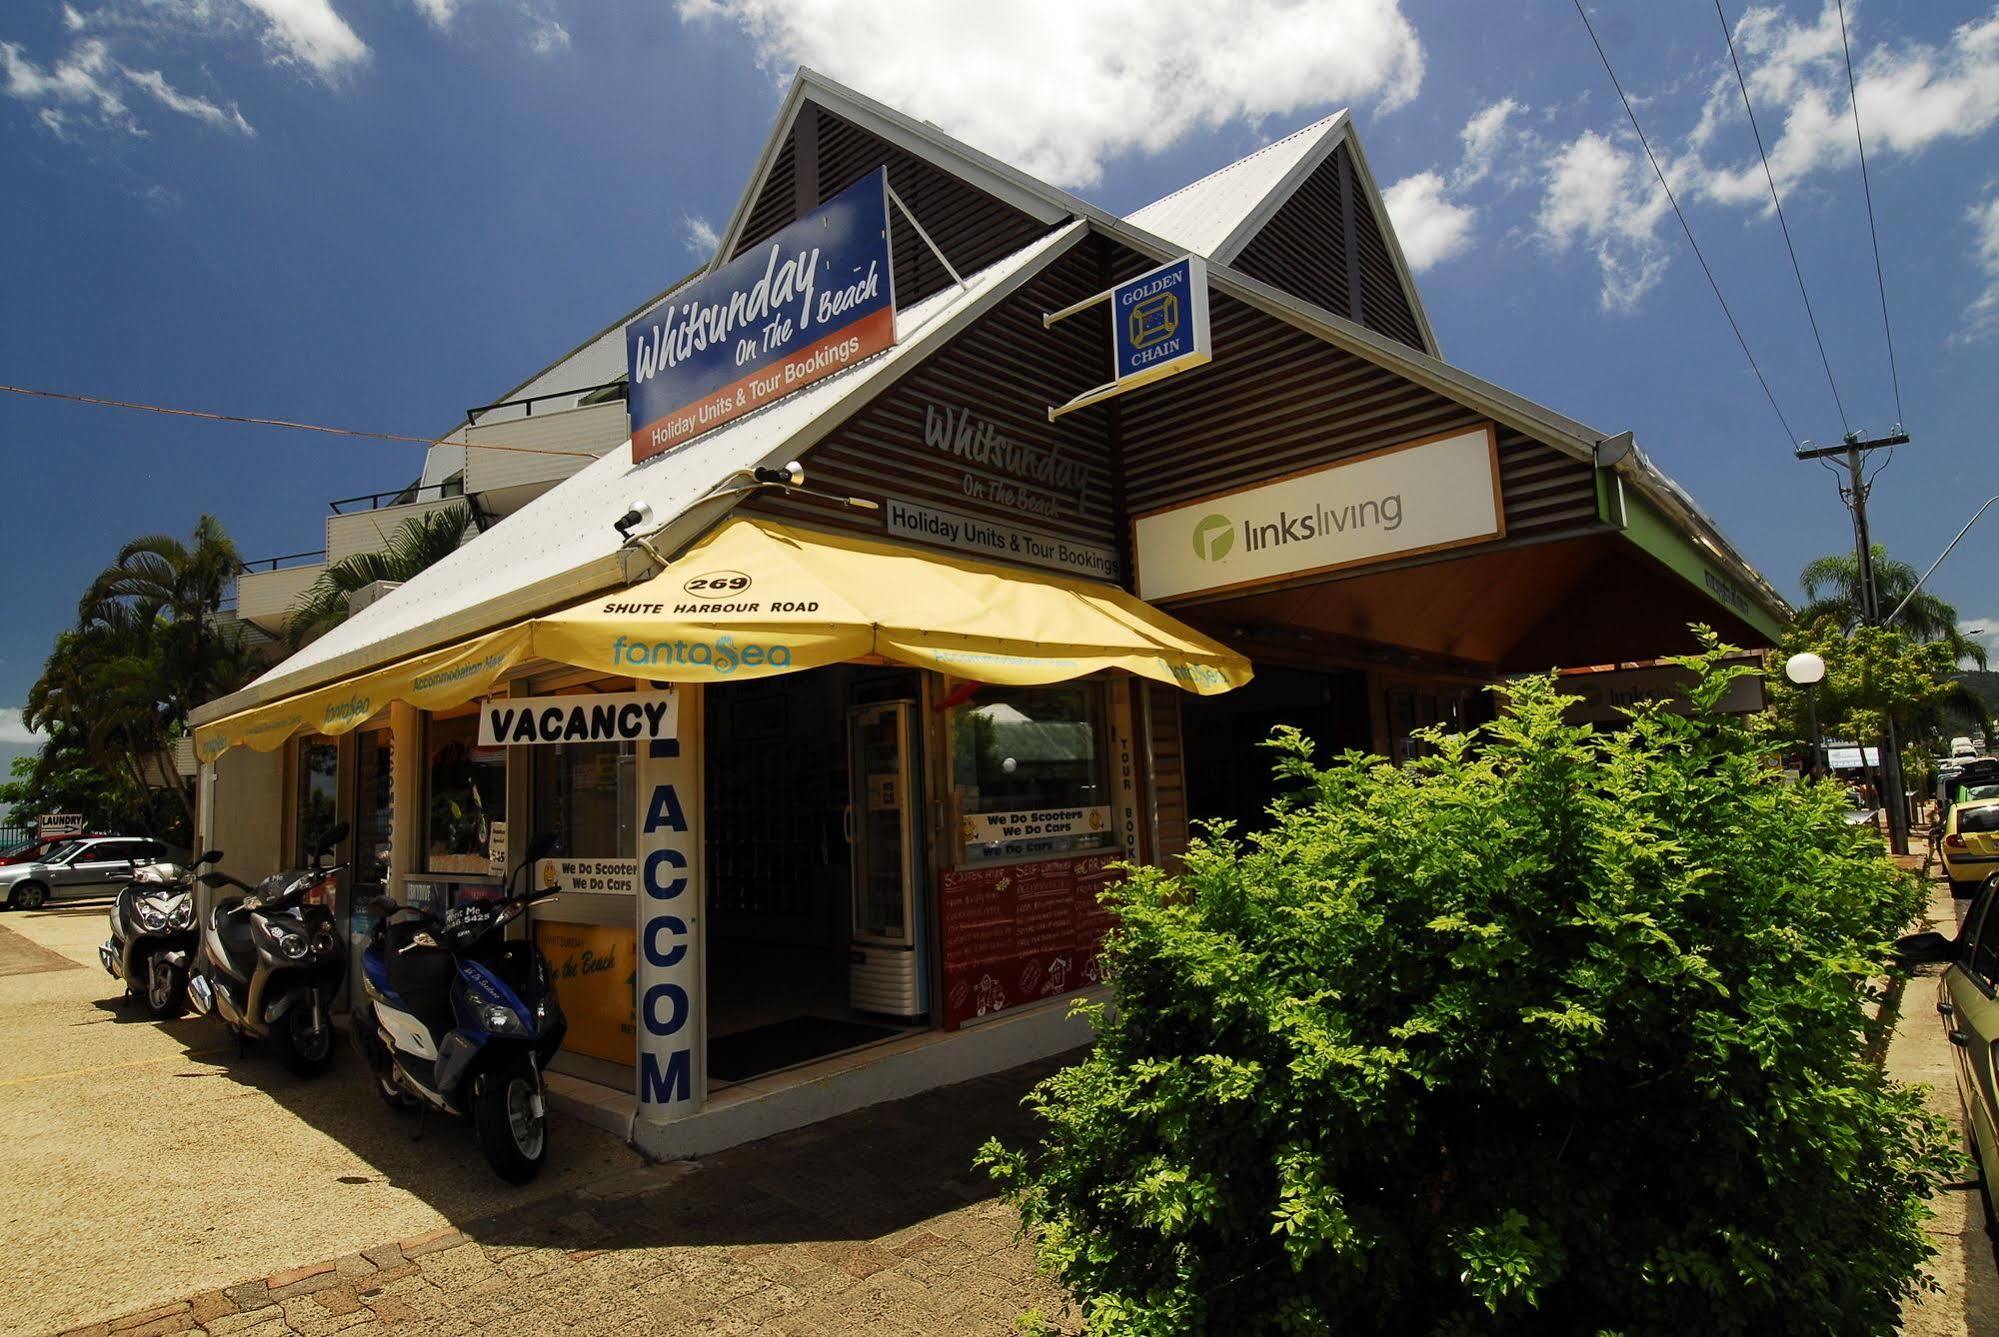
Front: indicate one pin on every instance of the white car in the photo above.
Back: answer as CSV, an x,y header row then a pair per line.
x,y
81,868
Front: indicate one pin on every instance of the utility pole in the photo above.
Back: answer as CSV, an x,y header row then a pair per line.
x,y
1854,494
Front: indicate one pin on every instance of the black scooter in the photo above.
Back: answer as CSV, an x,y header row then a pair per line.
x,y
153,935
270,963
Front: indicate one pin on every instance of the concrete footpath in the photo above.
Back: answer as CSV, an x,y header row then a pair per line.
x,y
1963,1263
875,1222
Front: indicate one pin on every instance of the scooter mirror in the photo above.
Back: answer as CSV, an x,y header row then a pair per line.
x,y
209,856
332,838
542,846
214,881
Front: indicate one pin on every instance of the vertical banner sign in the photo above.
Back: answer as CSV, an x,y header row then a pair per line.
x,y
672,1077
1124,755
812,300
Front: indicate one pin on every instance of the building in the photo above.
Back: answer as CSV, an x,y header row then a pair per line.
x,y
889,725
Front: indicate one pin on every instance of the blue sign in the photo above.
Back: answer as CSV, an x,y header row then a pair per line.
x,y
808,302
1160,322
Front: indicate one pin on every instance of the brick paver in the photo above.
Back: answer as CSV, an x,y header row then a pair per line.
x,y
875,1221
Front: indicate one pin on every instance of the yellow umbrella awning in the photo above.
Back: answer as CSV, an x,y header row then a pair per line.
x,y
757,598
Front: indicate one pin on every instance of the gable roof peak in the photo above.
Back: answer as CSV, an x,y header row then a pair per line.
x,y
1217,214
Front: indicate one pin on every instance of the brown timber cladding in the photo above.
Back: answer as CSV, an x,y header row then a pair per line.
x,y
968,225
1279,401
1007,370
1304,249
1168,773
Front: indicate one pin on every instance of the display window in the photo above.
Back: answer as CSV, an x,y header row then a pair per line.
x,y
586,793
374,806
465,793
317,795
1029,772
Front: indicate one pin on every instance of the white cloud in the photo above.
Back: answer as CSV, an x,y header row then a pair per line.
x,y
1430,225
310,33
80,82
699,236
1058,87
1605,197
1981,316
12,730
439,12
1911,96
1484,139
548,37
187,104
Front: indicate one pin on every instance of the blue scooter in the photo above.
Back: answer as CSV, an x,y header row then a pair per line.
x,y
459,1019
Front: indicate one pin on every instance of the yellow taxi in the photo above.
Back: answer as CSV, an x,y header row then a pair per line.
x,y
1971,844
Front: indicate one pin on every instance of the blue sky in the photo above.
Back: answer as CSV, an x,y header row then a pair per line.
x,y
376,214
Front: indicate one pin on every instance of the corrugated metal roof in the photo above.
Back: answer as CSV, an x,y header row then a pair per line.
x,y
562,546
1207,213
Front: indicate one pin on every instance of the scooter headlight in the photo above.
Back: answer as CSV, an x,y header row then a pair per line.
x,y
501,1020
152,919
292,946
183,915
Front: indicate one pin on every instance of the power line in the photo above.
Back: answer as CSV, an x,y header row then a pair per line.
x,y
1778,204
206,416
1880,283
1790,436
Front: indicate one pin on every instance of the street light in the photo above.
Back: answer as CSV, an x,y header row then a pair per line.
x,y
1807,670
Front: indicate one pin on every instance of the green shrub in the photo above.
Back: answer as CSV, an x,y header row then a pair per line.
x,y
1549,1032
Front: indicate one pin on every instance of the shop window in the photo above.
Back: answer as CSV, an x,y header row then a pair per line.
x,y
1028,772
318,793
465,792
586,794
374,807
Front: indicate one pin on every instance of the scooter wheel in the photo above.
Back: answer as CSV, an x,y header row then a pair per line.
x,y
166,992
305,1054
512,1116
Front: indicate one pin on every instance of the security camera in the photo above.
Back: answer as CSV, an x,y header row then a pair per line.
x,y
638,514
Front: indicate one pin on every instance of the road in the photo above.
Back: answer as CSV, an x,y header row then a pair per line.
x,y
146,1161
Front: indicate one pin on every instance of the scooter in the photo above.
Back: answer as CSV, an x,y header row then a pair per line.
x,y
270,961
153,935
459,1019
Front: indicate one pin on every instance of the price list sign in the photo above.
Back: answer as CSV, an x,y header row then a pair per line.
x,y
1020,933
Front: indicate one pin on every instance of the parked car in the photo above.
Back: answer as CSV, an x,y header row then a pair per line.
x,y
1971,844
1968,1002
93,866
42,847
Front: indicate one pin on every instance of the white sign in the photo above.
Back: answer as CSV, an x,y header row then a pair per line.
x,y
1406,499
591,717
672,1075
59,824
971,534
496,848
1851,758
994,828
602,877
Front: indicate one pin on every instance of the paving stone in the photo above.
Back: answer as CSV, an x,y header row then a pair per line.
x,y
145,1316
277,1281
210,1304
354,1265
269,1318
176,1322
384,1255
250,1295
431,1241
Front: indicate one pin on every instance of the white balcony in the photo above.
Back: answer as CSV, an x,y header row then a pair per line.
x,y
264,599
506,479
369,531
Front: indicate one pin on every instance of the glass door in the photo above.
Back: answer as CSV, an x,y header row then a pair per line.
x,y
882,824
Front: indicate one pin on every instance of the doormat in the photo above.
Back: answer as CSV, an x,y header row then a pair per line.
x,y
781,1044
23,956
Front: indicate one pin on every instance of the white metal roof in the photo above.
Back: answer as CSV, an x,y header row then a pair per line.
x,y
561,547
1207,213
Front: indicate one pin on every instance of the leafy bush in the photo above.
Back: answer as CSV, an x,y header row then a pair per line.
x,y
1547,1032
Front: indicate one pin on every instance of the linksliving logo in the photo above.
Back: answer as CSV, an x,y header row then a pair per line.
x,y
1214,536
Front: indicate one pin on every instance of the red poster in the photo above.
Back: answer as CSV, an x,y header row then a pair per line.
x,y
1020,933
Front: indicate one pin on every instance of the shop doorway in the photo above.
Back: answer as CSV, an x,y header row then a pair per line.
x,y
1229,770
815,868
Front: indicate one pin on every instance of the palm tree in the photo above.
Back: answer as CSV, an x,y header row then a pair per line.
x,y
419,542
1832,584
